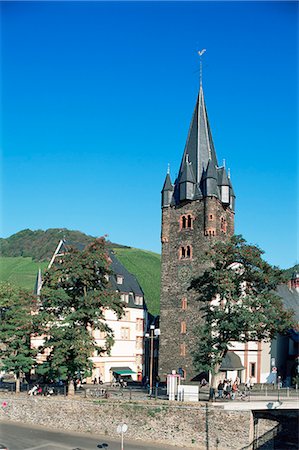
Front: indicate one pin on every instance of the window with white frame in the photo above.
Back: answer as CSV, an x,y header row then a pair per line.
x,y
139,324
124,298
125,333
139,341
139,360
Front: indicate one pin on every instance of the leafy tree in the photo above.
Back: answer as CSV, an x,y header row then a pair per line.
x,y
17,324
239,303
74,298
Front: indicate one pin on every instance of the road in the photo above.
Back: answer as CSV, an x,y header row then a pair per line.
x,y
27,437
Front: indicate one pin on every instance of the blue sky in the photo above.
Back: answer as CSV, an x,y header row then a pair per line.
x,y
97,99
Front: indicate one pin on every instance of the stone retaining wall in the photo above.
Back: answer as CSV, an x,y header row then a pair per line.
x,y
200,426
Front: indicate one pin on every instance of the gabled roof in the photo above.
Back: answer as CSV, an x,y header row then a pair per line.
x,y
199,145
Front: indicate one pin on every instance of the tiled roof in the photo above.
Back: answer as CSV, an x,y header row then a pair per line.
x,y
290,298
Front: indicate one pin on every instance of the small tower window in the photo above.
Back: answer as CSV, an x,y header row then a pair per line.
x,y
189,222
188,251
210,232
183,328
183,252
211,216
184,222
184,304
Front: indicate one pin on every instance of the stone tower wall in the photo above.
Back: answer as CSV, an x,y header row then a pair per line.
x,y
178,322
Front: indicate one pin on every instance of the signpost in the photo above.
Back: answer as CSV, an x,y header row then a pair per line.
x,y
121,429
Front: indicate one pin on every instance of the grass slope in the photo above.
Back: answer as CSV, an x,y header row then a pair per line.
x,y
146,266
20,271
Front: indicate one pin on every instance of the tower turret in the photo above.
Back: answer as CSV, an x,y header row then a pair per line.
x,y
187,181
210,181
224,186
167,191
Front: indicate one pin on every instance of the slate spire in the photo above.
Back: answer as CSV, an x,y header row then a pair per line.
x,y
199,146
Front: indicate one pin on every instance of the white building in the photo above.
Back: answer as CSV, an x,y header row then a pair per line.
x,y
126,357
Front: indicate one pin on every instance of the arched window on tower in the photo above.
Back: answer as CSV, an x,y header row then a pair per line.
x,y
185,252
186,222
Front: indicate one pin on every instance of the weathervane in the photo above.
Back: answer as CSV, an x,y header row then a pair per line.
x,y
201,52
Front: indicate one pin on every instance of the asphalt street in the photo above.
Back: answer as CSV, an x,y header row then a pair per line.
x,y
24,437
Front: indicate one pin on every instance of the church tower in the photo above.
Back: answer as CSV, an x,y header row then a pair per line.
x,y
197,209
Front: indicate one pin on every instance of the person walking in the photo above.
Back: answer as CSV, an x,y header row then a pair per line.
x,y
220,389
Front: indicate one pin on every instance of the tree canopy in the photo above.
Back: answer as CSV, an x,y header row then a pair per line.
x,y
74,297
239,302
17,324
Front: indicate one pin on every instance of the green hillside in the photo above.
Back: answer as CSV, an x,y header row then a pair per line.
x,y
39,244
146,266
20,271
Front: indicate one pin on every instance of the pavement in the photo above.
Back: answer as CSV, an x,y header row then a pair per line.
x,y
28,437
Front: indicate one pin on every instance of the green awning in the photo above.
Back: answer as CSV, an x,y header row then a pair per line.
x,y
122,370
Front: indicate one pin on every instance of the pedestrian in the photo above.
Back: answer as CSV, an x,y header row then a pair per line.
x,y
95,380
204,382
220,389
157,381
247,384
234,390
228,390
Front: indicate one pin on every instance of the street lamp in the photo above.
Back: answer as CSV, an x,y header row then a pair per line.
x,y
154,333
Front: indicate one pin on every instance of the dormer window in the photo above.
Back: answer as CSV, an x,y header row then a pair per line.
x,y
119,279
138,300
124,298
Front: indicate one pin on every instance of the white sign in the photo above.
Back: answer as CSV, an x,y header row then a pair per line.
x,y
122,428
